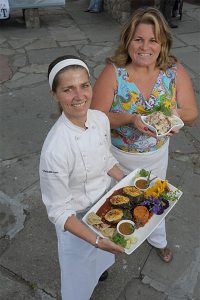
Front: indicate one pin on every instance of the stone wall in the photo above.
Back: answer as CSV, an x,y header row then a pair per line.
x,y
121,10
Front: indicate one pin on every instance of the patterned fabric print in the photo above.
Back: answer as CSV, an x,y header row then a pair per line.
x,y
128,98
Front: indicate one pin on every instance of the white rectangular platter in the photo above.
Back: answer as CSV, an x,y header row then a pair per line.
x,y
141,233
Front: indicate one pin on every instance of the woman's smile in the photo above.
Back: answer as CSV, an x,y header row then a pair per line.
x,y
144,49
79,104
145,54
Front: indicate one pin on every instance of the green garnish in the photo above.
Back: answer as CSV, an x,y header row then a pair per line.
x,y
165,110
119,240
164,106
144,173
170,196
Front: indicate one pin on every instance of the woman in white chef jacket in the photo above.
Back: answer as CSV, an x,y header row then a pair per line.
x,y
76,167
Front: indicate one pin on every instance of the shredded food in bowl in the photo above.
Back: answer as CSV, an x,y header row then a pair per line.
x,y
161,122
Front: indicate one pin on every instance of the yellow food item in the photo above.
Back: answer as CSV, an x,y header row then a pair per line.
x,y
130,241
119,200
132,191
114,215
156,190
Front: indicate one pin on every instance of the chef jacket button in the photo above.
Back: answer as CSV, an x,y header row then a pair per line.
x,y
100,143
77,138
87,170
104,158
93,126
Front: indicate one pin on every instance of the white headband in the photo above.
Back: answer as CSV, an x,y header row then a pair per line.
x,y
65,63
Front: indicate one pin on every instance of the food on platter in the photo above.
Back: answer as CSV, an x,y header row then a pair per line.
x,y
162,124
140,215
123,241
119,201
131,241
114,215
126,227
130,203
144,180
141,183
93,219
135,195
144,173
132,192
159,187
125,203
106,230
119,239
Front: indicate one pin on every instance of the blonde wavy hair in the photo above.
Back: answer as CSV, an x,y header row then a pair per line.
x,y
163,35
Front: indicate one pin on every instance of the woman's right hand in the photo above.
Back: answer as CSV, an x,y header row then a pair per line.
x,y
107,245
137,122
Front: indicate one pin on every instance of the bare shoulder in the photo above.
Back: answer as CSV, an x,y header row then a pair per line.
x,y
181,71
184,87
183,77
103,91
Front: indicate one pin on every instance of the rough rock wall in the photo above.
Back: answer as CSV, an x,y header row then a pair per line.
x,y
122,9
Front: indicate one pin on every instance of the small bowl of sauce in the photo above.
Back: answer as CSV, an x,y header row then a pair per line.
x,y
126,228
141,183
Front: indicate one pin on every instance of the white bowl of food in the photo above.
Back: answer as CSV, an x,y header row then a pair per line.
x,y
141,183
162,124
126,228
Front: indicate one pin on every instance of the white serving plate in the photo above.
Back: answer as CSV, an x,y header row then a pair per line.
x,y
143,232
179,124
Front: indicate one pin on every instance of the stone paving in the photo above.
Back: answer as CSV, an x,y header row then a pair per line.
x,y
28,254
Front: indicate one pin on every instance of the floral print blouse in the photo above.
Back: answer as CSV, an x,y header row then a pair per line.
x,y
128,98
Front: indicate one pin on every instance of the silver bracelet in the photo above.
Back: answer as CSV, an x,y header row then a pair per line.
x,y
98,238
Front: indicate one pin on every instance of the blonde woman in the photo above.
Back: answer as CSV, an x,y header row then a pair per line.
x,y
140,77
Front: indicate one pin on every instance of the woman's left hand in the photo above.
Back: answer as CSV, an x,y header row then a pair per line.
x,y
173,132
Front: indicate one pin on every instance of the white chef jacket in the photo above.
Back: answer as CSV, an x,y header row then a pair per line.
x,y
73,166
73,175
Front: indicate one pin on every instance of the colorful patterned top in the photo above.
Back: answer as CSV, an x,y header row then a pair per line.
x,y
128,98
